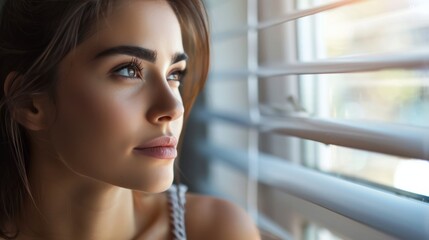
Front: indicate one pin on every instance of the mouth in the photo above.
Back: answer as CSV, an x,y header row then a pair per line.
x,y
163,147
158,152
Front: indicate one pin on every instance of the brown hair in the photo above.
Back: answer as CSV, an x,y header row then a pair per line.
x,y
35,37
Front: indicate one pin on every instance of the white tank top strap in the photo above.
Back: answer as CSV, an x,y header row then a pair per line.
x,y
176,201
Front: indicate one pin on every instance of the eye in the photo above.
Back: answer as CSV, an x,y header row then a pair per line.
x,y
176,76
128,72
132,69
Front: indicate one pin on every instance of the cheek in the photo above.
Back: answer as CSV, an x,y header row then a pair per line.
x,y
93,112
95,125
176,126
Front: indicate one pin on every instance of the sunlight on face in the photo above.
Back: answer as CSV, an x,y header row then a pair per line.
x,y
118,91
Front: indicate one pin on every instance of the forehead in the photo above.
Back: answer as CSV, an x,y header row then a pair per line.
x,y
151,24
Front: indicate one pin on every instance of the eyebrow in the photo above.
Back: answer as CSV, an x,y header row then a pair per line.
x,y
139,52
142,53
179,57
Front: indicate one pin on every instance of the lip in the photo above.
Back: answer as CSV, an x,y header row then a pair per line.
x,y
163,147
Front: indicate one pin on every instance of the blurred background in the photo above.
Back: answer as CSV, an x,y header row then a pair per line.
x,y
311,104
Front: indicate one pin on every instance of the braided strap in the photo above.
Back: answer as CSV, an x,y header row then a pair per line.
x,y
176,202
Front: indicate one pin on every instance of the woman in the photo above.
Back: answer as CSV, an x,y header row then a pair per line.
x,y
92,110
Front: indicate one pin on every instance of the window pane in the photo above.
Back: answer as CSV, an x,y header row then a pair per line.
x,y
372,26
396,96
388,172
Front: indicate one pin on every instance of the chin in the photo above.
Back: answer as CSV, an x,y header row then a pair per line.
x,y
161,187
154,185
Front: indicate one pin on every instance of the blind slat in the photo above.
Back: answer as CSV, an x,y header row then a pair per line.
x,y
411,60
287,18
393,139
304,13
267,224
397,216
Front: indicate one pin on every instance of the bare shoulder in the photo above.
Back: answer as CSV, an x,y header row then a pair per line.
x,y
214,218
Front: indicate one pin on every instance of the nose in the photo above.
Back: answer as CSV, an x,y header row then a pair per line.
x,y
165,106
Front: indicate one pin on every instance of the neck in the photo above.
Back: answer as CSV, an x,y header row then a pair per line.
x,y
69,206
79,212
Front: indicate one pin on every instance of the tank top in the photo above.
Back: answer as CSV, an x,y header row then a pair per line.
x,y
176,202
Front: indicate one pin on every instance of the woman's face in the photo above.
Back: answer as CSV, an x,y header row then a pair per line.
x,y
117,92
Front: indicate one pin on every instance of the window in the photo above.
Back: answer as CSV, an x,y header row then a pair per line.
x,y
315,117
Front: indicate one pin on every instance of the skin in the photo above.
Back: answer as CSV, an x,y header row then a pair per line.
x,y
87,180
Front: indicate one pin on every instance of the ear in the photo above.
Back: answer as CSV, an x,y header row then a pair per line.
x,y
35,112
8,82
